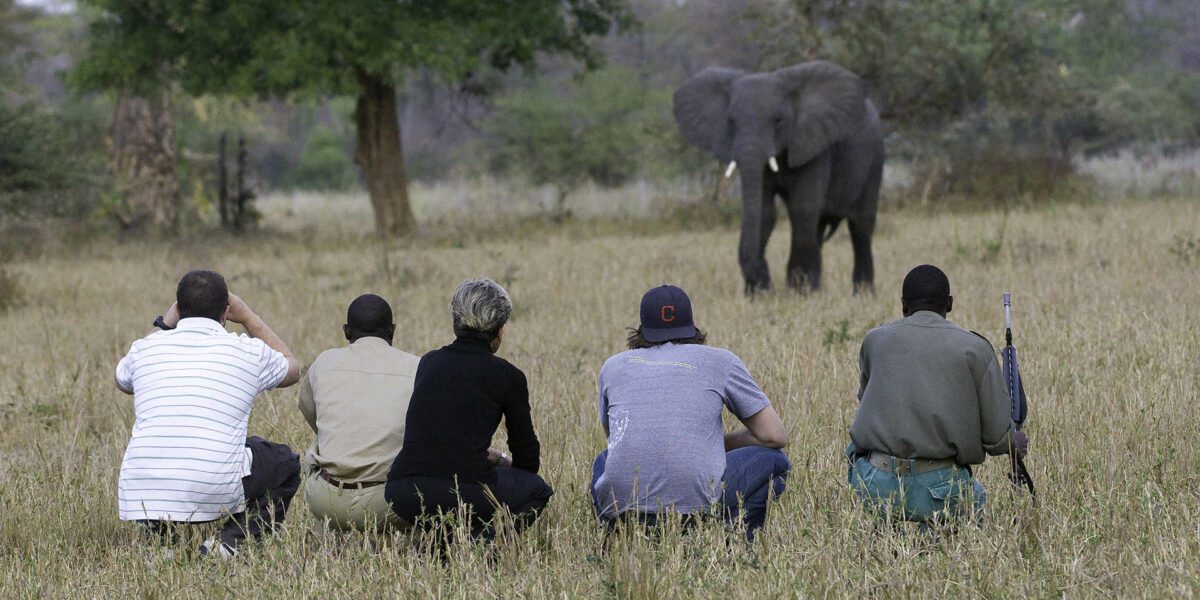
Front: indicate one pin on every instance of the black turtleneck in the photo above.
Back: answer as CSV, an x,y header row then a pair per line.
x,y
459,395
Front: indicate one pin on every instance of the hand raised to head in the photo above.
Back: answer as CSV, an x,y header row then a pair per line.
x,y
239,311
171,317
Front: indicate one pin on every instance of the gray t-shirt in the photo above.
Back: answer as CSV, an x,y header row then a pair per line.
x,y
662,407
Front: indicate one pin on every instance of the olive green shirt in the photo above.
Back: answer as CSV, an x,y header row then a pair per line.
x,y
931,389
355,399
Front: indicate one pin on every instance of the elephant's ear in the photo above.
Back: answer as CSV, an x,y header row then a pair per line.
x,y
701,105
829,103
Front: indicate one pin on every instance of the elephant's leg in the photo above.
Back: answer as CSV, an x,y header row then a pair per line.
x,y
804,202
861,230
804,262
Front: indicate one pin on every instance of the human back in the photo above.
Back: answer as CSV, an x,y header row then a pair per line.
x,y
663,407
660,405
362,393
194,378
921,396
453,424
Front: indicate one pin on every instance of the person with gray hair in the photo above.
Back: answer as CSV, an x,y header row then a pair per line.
x,y
460,393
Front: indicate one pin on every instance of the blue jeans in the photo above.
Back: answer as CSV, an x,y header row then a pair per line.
x,y
751,475
945,493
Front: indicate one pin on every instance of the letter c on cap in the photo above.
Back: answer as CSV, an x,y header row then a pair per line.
x,y
665,317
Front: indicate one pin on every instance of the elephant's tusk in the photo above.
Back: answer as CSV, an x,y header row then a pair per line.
x,y
730,168
774,165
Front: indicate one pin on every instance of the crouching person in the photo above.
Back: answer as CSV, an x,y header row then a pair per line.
x,y
189,459
660,405
355,399
932,405
460,394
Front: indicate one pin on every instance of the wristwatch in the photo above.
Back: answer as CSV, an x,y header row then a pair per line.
x,y
161,324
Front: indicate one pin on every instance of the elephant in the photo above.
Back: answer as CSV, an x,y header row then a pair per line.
x,y
806,133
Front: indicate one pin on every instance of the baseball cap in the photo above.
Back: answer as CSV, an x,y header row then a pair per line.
x,y
667,314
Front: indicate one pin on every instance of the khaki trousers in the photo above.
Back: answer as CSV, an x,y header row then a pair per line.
x,y
349,509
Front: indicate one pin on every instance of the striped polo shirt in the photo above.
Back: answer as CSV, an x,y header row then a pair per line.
x,y
192,391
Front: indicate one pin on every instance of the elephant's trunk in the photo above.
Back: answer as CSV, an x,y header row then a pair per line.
x,y
750,246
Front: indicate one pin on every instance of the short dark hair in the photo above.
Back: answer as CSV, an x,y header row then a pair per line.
x,y
637,340
926,287
369,315
202,294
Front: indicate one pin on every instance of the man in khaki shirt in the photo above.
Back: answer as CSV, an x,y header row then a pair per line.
x,y
355,398
932,403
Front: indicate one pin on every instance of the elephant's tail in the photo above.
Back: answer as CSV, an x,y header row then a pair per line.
x,y
826,227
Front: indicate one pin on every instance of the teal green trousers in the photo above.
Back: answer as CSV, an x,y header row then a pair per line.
x,y
944,494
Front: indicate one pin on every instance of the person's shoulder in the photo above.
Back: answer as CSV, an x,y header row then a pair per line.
x,y
887,325
714,353
981,340
620,356
883,328
327,357
968,338
403,356
503,365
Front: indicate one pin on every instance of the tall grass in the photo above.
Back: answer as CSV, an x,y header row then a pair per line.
x,y
1104,314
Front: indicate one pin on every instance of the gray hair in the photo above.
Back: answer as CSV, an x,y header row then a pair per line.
x,y
480,305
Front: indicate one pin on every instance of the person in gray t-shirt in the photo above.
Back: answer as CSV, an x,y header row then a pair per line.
x,y
660,405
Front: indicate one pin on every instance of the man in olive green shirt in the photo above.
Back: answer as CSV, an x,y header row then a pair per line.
x,y
932,403
355,398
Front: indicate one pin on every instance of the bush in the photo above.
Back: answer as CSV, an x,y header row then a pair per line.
x,y
563,133
325,164
40,175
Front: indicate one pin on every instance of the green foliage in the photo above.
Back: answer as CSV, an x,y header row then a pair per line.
x,y
255,47
325,165
991,99
593,127
958,81
837,335
44,162
39,172
363,48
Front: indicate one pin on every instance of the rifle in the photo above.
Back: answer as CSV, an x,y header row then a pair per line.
x,y
1016,394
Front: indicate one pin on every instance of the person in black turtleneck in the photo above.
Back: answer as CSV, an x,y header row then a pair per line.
x,y
460,393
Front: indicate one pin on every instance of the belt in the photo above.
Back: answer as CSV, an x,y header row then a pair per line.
x,y
349,486
907,466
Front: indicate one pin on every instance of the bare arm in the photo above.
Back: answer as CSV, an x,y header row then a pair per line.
x,y
240,313
763,428
121,387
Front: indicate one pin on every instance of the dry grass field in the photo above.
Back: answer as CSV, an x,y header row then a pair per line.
x,y
1105,299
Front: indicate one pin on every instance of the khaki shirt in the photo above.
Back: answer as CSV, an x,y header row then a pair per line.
x,y
931,389
355,399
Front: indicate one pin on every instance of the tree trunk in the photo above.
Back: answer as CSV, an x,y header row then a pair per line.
x,y
380,157
141,158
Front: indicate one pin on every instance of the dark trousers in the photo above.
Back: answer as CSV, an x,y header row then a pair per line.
x,y
752,475
273,480
418,499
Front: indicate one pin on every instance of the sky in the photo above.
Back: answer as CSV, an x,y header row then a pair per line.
x,y
53,6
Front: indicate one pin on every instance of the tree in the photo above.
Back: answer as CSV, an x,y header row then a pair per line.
x,y
565,132
37,165
141,159
357,47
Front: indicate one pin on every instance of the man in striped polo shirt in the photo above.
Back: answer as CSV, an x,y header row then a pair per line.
x,y
189,458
